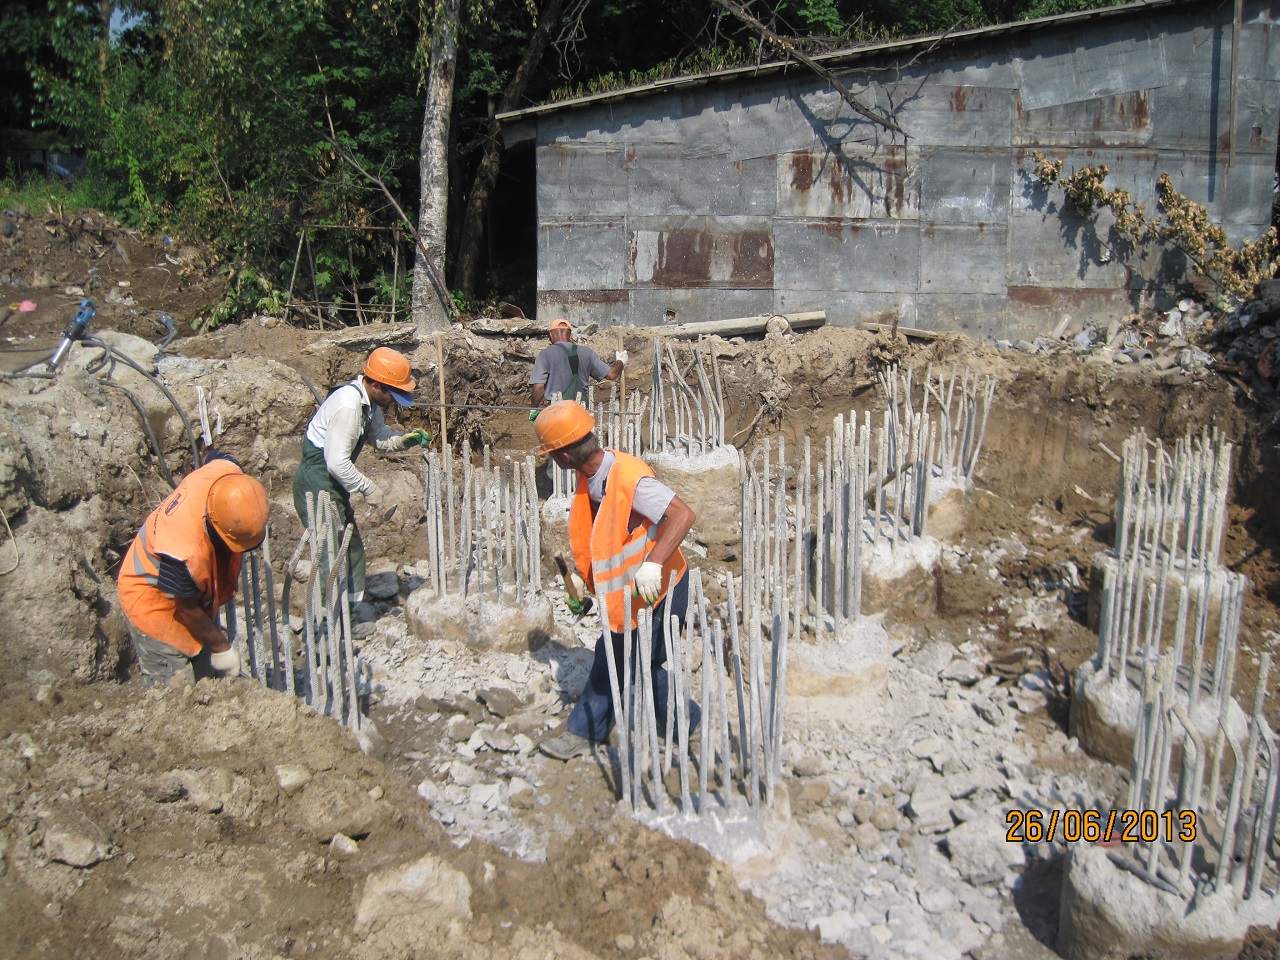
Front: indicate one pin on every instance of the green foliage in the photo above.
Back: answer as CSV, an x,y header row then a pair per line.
x,y
39,193
248,293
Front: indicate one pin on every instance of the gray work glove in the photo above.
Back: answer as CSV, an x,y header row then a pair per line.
x,y
376,501
227,663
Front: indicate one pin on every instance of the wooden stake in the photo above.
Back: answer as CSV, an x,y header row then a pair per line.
x,y
444,424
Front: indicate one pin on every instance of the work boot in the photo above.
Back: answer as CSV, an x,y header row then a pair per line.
x,y
566,746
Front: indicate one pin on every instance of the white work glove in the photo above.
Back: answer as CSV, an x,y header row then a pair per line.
x,y
621,356
226,663
648,582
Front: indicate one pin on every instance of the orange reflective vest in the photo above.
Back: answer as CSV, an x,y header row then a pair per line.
x,y
176,529
606,550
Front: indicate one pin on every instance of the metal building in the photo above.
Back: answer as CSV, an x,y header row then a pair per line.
x,y
758,190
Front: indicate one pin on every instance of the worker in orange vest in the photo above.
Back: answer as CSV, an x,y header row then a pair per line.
x,y
625,529
183,565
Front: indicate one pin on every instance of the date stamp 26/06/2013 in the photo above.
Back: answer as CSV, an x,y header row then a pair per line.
x,y
1094,826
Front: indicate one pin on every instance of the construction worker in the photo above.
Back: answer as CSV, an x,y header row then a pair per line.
x,y
564,367
350,416
625,530
183,565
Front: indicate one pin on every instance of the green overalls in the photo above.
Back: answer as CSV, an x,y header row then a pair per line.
x,y
312,477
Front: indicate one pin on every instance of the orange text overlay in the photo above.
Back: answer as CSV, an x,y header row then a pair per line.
x,y
1092,826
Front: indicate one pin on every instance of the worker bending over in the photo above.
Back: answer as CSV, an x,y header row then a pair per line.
x,y
625,529
183,565
350,416
565,367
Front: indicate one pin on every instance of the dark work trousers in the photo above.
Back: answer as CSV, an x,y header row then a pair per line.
x,y
592,716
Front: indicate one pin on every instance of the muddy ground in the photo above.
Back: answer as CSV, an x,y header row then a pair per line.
x,y
156,824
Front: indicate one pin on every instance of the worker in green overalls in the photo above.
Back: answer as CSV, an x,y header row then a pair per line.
x,y
349,417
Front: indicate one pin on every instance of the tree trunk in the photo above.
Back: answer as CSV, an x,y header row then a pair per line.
x,y
429,291
473,222
105,11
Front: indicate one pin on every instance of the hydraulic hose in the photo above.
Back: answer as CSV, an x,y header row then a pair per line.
x,y
186,423
146,427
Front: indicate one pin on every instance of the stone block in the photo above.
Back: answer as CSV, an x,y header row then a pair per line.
x,y
427,889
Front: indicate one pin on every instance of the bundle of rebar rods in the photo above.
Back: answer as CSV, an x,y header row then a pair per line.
x,y
1173,505
1170,626
733,759
496,541
328,675
685,418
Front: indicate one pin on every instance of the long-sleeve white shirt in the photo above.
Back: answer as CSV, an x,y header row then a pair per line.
x,y
337,426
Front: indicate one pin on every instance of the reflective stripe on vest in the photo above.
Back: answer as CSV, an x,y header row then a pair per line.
x,y
176,529
605,551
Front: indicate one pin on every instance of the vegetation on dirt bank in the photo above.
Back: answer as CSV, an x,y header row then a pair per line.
x,y
228,124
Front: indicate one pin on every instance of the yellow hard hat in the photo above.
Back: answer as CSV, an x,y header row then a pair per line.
x,y
237,508
390,367
563,423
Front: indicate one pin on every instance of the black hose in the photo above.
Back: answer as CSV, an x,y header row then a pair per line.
x,y
312,387
186,424
146,426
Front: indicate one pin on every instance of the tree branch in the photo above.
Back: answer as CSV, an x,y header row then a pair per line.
x,y
446,298
790,49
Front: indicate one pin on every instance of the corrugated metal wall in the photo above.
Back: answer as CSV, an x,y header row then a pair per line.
x,y
769,195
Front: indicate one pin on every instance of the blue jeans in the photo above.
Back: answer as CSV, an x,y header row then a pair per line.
x,y
592,716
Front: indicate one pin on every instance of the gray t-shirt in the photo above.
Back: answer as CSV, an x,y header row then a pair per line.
x,y
652,496
552,368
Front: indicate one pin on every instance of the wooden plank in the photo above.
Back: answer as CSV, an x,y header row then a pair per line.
x,y
744,326
905,331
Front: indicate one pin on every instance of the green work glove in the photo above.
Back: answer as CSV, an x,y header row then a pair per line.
x,y
533,414
418,438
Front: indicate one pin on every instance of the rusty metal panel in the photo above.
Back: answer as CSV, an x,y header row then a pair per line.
x,y
1087,64
856,182
1233,191
1120,120
863,257
962,115
1034,310
665,182
1059,249
969,186
582,255
700,252
578,179
982,316
650,306
584,306
963,258
767,120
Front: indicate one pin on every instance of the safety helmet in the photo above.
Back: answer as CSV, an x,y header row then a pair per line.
x,y
390,367
237,508
563,423
561,324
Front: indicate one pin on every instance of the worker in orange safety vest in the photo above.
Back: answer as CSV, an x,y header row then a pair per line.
x,y
625,530
183,565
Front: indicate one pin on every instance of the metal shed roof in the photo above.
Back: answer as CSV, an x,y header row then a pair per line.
x,y
844,58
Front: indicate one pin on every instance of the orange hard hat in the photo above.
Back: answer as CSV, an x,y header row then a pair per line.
x,y
237,508
390,367
561,324
563,423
